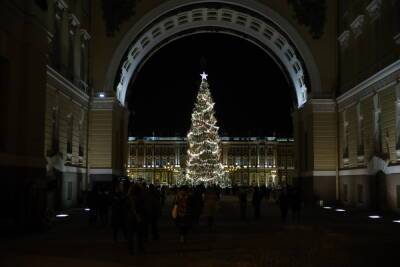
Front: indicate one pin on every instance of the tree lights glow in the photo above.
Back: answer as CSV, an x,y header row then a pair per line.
x,y
203,163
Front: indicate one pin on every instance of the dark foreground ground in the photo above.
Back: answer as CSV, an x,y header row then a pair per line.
x,y
323,238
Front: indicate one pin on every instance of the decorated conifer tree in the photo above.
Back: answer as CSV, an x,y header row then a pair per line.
x,y
203,161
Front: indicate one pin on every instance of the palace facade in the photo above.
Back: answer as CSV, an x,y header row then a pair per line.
x,y
251,161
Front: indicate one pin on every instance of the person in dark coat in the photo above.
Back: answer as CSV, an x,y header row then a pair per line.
x,y
197,204
184,219
154,211
295,204
242,202
118,212
283,201
135,217
103,205
93,202
210,206
256,201
163,195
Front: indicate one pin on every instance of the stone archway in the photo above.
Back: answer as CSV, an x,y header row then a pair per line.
x,y
314,119
246,19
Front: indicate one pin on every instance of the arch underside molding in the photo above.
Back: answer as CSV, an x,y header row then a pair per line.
x,y
174,22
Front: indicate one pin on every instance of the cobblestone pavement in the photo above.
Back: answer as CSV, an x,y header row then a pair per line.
x,y
323,238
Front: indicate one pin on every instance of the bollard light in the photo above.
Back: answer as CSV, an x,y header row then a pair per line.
x,y
62,215
374,217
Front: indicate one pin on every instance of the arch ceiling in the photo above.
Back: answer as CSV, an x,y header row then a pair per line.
x,y
173,20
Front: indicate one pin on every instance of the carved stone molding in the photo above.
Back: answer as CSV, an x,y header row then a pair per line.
x,y
374,9
344,39
357,26
85,34
61,4
396,39
74,21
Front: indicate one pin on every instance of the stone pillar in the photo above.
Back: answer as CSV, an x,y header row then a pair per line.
x,y
315,131
108,140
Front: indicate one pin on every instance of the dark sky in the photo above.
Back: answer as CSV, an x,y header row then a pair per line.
x,y
251,94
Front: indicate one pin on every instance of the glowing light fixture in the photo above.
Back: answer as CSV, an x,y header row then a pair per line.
x,y
102,95
327,208
340,210
87,209
62,215
396,221
374,217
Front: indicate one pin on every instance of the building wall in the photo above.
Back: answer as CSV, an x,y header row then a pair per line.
x,y
369,68
363,161
248,161
33,84
376,39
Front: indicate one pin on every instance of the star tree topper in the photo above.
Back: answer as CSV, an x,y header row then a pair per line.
x,y
204,76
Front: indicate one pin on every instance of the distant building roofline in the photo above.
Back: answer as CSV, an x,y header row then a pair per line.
x,y
223,138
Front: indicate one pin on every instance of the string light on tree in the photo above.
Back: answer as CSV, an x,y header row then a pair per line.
x,y
203,164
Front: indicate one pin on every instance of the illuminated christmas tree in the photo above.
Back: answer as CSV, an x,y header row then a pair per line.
x,y
203,164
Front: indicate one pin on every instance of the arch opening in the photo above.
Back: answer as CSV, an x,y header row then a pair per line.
x,y
231,17
246,98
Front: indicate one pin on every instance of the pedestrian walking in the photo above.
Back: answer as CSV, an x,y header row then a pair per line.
x,y
183,218
118,212
210,206
242,202
295,204
135,218
256,201
283,201
154,213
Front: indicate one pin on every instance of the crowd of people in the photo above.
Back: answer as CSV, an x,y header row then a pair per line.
x,y
133,210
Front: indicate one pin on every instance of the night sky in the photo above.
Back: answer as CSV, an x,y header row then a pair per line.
x,y
252,96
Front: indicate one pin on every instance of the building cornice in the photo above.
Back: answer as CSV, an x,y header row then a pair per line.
x,y
104,171
323,105
318,174
381,79
59,82
102,103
